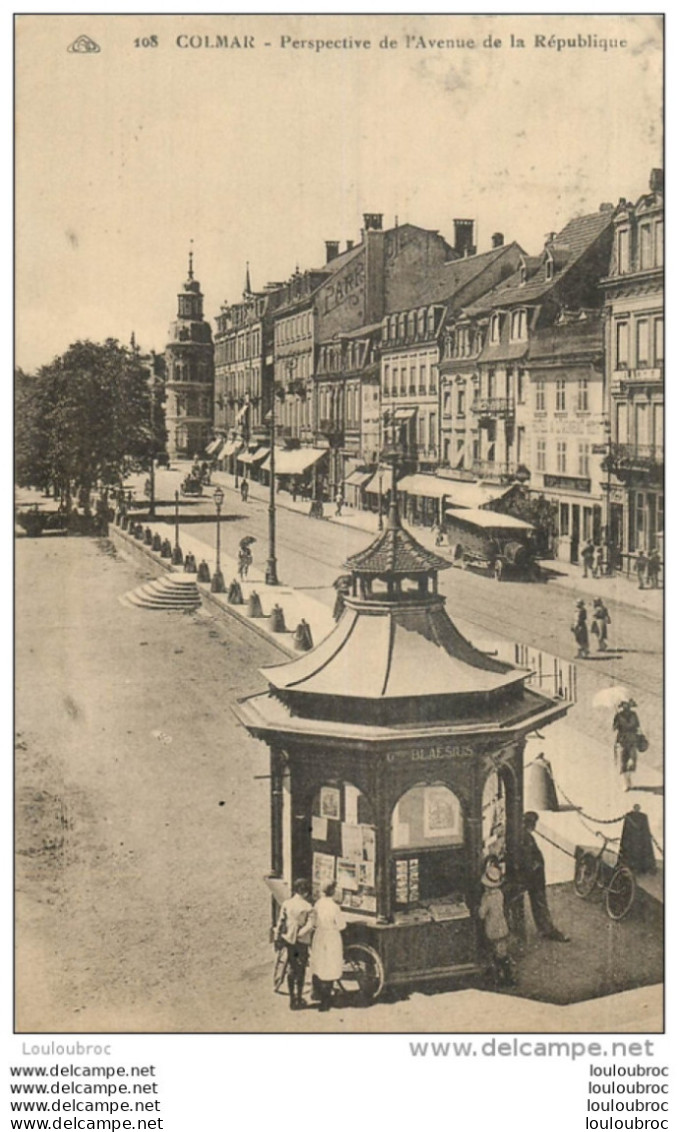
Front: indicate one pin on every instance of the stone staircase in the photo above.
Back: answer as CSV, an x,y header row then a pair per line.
x,y
173,592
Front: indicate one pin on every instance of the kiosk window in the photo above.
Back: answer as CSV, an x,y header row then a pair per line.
x,y
343,844
494,816
427,843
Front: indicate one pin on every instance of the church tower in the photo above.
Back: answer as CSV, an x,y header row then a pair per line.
x,y
189,357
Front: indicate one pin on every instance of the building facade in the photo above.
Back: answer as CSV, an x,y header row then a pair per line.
x,y
634,305
189,362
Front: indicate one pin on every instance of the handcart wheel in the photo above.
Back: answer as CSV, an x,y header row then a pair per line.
x,y
363,975
280,968
620,893
586,874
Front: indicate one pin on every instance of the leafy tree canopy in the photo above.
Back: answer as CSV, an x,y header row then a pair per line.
x,y
90,416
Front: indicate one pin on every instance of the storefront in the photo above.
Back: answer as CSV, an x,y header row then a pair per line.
x,y
301,471
396,778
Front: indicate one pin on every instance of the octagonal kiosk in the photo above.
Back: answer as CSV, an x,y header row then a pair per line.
x,y
396,768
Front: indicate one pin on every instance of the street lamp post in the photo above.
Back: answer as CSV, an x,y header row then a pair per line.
x,y
177,557
151,505
271,575
218,586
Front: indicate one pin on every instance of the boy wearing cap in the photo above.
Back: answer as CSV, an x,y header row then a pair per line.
x,y
491,915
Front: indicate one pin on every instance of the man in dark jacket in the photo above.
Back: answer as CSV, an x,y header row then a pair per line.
x,y
534,879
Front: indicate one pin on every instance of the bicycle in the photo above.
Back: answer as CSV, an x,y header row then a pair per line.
x,y
619,891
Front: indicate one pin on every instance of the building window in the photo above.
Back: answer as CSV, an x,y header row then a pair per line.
x,y
520,387
540,397
658,340
447,398
642,342
490,384
646,258
564,519
387,379
584,453
541,455
659,243
560,395
422,379
561,456
519,325
403,382
433,432
622,345
495,328
583,395
623,251
461,402
413,379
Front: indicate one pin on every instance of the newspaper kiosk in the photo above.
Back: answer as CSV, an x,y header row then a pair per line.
x,y
396,767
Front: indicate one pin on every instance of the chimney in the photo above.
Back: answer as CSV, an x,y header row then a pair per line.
x,y
606,206
349,245
497,239
657,181
373,221
331,250
463,237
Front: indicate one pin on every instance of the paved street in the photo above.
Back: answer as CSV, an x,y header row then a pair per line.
x,y
143,829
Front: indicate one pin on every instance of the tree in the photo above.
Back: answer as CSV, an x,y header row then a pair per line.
x,y
89,417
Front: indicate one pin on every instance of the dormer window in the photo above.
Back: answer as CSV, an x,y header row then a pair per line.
x,y
549,267
523,272
519,325
623,251
495,328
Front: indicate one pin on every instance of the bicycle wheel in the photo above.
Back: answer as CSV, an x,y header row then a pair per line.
x,y
620,893
363,974
279,968
586,874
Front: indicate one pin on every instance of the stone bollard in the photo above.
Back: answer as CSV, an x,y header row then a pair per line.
x,y
254,605
177,556
303,640
276,620
204,572
166,549
218,584
235,593
157,542
139,532
189,564
148,537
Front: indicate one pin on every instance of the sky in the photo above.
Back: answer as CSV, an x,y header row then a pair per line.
x,y
260,154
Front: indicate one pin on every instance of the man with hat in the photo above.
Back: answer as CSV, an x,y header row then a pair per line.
x,y
491,915
626,724
599,623
580,629
533,875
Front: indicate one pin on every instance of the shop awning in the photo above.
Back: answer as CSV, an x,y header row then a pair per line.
x,y
404,414
230,447
461,493
385,474
430,487
253,457
213,445
242,410
294,461
358,479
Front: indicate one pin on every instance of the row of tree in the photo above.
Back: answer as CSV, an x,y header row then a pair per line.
x,y
87,419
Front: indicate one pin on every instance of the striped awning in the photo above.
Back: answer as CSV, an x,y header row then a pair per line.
x,y
253,457
294,461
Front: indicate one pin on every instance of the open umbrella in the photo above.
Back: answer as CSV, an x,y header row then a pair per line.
x,y
247,540
610,697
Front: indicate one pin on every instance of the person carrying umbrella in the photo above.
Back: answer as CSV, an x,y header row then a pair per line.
x,y
628,740
245,556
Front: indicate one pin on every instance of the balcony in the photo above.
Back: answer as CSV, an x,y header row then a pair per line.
x,y
636,458
503,407
645,375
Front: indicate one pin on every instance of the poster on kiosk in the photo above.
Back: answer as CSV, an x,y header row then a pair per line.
x,y
340,568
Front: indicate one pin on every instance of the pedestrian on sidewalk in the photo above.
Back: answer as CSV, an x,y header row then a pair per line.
x,y
327,952
587,557
495,927
598,563
629,739
339,502
244,490
289,933
533,875
580,629
244,561
653,568
641,569
599,622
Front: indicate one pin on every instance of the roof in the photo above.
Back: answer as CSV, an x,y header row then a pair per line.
x,y
583,335
395,552
489,520
444,282
568,247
